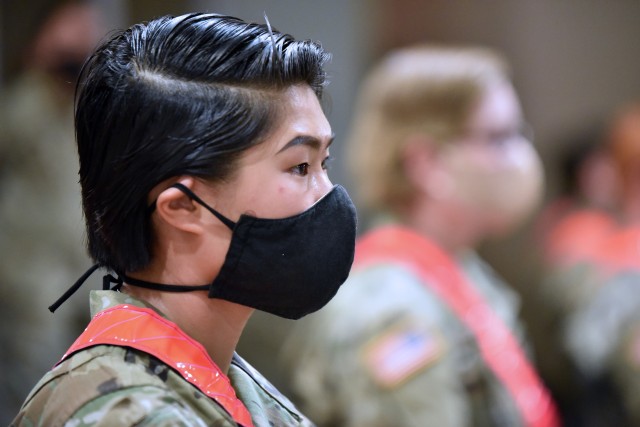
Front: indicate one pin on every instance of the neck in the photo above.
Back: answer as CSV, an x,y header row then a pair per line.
x,y
216,324
445,227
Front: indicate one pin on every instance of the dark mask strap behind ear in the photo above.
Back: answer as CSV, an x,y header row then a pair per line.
x,y
106,281
226,221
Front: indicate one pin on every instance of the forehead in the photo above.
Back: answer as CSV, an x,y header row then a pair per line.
x,y
497,105
301,115
303,112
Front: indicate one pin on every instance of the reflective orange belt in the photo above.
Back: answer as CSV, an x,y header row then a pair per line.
x,y
499,349
145,330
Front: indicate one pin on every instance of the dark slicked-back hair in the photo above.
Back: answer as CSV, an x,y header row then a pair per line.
x,y
176,96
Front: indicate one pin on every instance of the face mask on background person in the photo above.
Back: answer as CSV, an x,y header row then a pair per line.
x,y
498,184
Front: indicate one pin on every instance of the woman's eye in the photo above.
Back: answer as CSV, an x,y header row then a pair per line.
x,y
301,169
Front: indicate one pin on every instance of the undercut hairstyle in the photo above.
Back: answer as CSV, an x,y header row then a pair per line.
x,y
417,91
176,96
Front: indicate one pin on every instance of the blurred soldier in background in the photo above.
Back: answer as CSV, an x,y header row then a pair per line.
x,y
595,288
565,230
590,192
424,333
41,244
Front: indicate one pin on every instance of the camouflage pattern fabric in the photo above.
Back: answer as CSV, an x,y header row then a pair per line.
x,y
603,340
108,385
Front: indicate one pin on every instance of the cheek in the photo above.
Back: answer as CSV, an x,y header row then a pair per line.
x,y
292,201
279,201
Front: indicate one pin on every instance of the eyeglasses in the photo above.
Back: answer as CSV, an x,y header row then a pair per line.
x,y
497,137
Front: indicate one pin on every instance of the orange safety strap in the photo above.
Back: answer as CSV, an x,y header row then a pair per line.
x,y
499,349
145,330
578,236
620,251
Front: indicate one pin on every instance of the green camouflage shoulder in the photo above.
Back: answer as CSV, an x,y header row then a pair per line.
x,y
266,404
106,385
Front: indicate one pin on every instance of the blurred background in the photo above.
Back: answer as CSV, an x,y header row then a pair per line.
x,y
574,62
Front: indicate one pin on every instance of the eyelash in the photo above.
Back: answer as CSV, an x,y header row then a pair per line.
x,y
303,168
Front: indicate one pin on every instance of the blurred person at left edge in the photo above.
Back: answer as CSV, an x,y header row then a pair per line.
x,y
40,206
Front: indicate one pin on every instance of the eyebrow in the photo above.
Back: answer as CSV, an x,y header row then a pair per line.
x,y
308,140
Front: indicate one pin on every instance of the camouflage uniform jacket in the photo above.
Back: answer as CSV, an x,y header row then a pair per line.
x,y
109,385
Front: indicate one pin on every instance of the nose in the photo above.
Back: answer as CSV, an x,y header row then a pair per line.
x,y
322,187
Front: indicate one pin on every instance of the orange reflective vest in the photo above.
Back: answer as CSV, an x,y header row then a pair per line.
x,y
578,236
499,349
596,238
145,330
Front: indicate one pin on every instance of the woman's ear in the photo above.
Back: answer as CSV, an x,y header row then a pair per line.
x,y
178,210
424,169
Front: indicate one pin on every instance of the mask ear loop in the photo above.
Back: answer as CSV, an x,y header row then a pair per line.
x,y
107,279
226,221
72,290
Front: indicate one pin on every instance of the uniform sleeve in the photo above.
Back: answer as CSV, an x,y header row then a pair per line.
x,y
140,407
136,406
377,355
114,386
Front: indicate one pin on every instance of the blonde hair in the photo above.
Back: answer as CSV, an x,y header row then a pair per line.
x,y
417,91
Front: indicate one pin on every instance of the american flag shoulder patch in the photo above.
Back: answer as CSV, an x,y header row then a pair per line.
x,y
400,352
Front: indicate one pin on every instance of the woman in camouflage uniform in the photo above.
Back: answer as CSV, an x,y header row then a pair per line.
x,y
202,149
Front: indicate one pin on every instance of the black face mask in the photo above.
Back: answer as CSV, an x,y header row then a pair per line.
x,y
289,267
